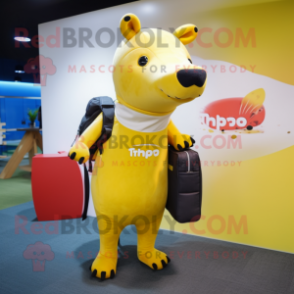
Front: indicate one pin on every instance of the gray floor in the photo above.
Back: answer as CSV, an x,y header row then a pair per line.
x,y
260,271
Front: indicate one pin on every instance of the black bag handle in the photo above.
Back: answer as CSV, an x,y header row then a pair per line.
x,y
87,192
107,107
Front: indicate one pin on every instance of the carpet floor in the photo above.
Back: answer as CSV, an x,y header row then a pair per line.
x,y
198,265
17,189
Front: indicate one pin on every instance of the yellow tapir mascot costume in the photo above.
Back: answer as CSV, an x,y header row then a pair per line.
x,y
153,75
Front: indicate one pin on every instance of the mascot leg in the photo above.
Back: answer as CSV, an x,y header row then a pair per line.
x,y
147,233
104,266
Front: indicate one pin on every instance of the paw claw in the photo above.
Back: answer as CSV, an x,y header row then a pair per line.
x,y
81,160
186,144
154,265
73,156
163,263
94,273
103,274
193,141
180,147
90,268
168,259
112,274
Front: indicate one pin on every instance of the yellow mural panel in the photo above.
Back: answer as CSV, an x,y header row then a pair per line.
x,y
257,37
251,203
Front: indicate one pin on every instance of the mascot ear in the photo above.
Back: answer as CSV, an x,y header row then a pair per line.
x,y
186,33
130,25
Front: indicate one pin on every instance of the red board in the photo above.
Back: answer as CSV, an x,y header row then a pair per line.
x,y
57,187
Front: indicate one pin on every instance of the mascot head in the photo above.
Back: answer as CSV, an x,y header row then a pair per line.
x,y
153,69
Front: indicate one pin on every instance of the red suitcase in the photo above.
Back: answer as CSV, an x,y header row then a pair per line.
x,y
57,187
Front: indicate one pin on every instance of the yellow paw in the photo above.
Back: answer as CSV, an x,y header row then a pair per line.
x,y
155,259
79,152
184,142
104,266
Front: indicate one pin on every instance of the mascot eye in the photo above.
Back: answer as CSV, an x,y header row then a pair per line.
x,y
143,60
190,60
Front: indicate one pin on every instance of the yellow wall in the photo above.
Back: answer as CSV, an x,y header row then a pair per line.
x,y
272,26
260,194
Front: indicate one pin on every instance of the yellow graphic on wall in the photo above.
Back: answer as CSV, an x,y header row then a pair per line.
x,y
257,37
250,203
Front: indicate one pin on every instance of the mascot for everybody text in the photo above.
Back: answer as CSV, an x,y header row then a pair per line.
x,y
153,75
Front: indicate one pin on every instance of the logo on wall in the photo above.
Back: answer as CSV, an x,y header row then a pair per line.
x,y
235,113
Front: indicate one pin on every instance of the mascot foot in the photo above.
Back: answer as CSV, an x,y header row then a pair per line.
x,y
155,259
104,267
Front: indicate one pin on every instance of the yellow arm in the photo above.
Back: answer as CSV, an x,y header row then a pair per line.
x,y
86,140
176,139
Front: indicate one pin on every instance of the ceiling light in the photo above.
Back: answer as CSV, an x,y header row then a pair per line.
x,y
22,39
19,69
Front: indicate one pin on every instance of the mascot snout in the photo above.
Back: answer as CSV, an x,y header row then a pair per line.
x,y
190,77
183,84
